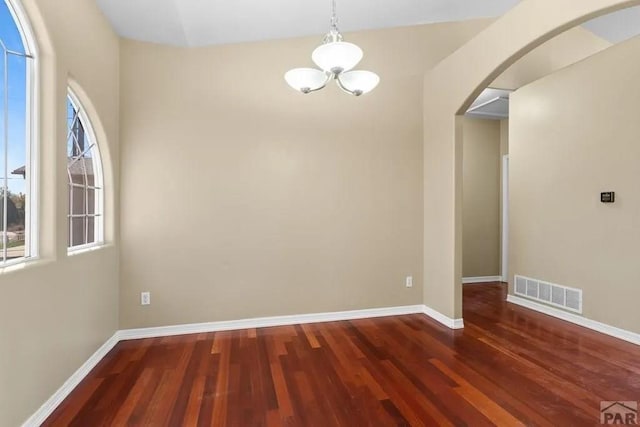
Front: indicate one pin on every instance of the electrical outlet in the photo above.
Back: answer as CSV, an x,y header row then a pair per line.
x,y
145,298
408,282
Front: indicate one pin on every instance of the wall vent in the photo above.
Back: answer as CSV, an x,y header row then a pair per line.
x,y
549,293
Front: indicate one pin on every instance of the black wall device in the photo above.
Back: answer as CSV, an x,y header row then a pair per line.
x,y
608,197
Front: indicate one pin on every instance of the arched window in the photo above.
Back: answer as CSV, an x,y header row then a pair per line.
x,y
84,173
17,159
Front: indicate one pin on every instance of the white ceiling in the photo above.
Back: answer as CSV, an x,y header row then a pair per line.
x,y
206,22
618,26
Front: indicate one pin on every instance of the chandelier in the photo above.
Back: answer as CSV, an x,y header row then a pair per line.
x,y
335,58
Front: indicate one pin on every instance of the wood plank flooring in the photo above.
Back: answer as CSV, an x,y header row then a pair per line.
x,y
509,366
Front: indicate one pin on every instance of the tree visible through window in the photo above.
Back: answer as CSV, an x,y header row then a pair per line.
x,y
84,172
16,195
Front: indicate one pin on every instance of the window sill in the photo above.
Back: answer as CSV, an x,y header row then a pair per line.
x,y
78,250
22,264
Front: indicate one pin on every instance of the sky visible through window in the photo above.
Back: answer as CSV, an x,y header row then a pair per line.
x,y
17,109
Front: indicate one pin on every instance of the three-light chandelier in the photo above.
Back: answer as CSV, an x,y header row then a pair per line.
x,y
336,59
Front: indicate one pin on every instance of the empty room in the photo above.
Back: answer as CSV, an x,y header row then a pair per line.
x,y
320,213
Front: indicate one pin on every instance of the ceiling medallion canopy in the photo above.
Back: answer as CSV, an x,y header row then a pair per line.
x,y
336,60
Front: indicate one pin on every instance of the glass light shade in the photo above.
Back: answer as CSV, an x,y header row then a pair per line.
x,y
306,79
337,56
359,82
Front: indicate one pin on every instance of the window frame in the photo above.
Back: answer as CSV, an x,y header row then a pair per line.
x,y
32,133
98,177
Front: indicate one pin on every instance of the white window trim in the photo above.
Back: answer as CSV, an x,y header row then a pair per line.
x,y
98,180
32,135
81,249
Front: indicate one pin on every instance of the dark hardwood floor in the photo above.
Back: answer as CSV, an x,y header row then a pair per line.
x,y
509,366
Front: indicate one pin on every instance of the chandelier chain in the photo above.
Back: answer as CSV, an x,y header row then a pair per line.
x,y
334,16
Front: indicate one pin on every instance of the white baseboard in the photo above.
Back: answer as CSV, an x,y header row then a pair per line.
x,y
71,383
613,331
127,334
445,320
481,279
265,322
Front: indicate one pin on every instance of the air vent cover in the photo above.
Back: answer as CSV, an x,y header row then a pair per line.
x,y
521,285
549,293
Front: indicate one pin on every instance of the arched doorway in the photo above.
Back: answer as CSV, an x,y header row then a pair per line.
x,y
450,88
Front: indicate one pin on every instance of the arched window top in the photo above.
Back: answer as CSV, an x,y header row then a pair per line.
x,y
85,179
16,33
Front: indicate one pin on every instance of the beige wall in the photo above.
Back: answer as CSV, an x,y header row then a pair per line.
x,y
248,162
573,135
481,198
55,312
244,198
290,217
504,137
567,48
449,88
481,230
